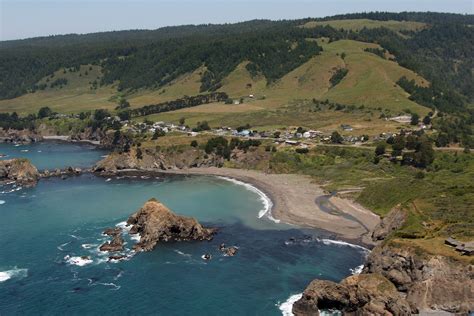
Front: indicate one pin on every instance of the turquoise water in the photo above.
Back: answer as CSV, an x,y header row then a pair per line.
x,y
52,154
41,228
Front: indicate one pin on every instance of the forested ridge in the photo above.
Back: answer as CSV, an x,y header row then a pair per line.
x,y
442,52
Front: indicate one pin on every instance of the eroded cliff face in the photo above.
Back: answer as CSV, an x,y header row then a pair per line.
x,y
154,222
397,280
19,170
153,160
428,282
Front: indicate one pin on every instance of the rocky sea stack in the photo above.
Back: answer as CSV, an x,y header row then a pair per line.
x,y
19,170
155,222
364,294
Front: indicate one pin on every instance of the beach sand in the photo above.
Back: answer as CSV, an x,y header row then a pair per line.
x,y
295,199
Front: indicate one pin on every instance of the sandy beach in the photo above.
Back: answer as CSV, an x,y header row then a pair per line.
x,y
297,200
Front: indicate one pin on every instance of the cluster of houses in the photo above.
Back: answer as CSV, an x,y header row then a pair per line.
x,y
295,137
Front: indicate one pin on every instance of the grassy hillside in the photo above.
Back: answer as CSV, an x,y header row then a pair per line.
x,y
75,96
369,82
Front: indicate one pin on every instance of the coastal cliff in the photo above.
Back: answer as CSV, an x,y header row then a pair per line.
x,y
19,170
19,136
428,282
154,222
148,159
397,280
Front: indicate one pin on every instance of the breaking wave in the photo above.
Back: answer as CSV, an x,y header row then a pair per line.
x,y
287,306
266,201
14,273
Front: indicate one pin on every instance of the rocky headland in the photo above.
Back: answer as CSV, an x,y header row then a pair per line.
x,y
19,171
396,280
155,223
149,160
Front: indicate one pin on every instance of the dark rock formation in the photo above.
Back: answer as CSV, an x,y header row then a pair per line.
x,y
229,251
117,257
155,222
19,170
117,241
365,294
391,222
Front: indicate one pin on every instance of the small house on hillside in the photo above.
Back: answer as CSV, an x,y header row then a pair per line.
x,y
346,127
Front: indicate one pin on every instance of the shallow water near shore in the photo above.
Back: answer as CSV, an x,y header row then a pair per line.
x,y
53,154
46,230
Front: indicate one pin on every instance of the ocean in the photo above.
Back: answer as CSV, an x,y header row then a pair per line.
x,y
49,238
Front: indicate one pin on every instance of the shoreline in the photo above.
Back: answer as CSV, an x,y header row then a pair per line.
x,y
293,199
67,139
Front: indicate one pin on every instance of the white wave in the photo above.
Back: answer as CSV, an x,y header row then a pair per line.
x,y
14,273
60,247
12,190
182,253
78,261
88,246
266,201
24,150
2,202
287,306
342,243
123,225
115,286
357,270
39,151
330,312
118,276
17,145
135,237
109,179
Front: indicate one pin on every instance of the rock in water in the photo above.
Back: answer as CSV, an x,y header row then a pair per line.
x,y
155,222
365,294
117,241
19,170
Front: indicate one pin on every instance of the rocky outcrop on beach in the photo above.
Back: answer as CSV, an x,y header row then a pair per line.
x,y
154,222
148,159
365,294
19,170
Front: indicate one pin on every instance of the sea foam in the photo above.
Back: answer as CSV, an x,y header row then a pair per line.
x,y
2,202
78,261
343,243
357,270
266,201
287,306
14,273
